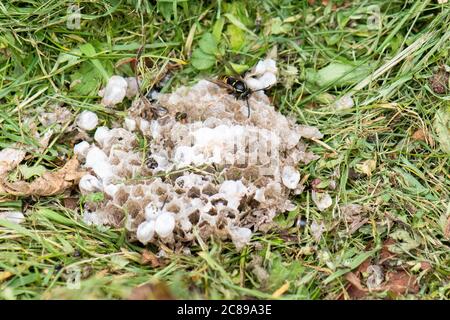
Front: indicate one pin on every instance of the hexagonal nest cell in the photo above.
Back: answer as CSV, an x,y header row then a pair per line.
x,y
213,171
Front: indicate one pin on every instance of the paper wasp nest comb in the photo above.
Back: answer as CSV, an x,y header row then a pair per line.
x,y
212,169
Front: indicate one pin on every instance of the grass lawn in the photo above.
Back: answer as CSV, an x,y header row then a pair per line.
x,y
385,150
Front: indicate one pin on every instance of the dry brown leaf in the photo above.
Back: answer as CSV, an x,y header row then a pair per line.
x,y
149,257
365,265
419,135
355,290
355,281
151,291
50,183
385,254
425,265
353,214
422,134
401,282
5,275
439,80
71,203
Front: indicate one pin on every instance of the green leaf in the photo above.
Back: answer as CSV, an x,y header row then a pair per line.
x,y
119,262
218,28
86,80
340,74
441,125
89,51
405,242
287,222
93,197
236,36
280,272
71,58
166,9
276,26
29,172
239,68
55,216
201,60
208,44
363,256
237,23
411,183
336,275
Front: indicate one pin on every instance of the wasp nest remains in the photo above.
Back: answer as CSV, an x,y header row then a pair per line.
x,y
203,167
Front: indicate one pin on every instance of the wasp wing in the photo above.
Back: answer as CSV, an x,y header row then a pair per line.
x,y
221,84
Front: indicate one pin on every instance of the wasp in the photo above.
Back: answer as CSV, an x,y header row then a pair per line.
x,y
235,85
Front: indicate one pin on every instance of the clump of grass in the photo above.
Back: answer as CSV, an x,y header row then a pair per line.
x,y
44,64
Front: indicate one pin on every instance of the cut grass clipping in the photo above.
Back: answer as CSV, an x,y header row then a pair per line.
x,y
373,76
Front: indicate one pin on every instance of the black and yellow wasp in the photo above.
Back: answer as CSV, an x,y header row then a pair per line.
x,y
235,85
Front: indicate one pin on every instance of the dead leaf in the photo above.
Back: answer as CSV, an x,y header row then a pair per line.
x,y
149,257
343,103
281,290
5,275
419,135
422,134
375,278
50,183
9,159
355,281
385,253
354,289
321,199
447,229
439,80
366,167
45,140
354,216
400,283
364,266
151,291
256,265
71,203
317,230
425,265
441,125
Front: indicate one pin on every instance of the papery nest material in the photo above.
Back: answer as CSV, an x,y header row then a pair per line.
x,y
217,171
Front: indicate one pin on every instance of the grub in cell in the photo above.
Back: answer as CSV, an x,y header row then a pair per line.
x,y
221,171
